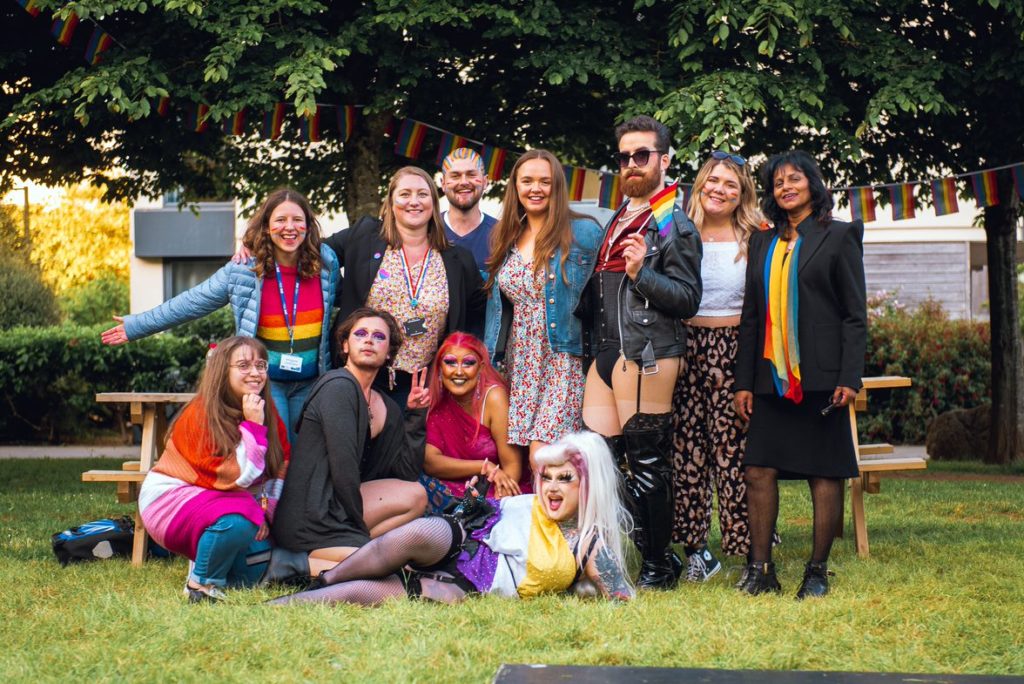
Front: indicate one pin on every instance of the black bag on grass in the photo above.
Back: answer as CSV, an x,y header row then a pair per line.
x,y
93,540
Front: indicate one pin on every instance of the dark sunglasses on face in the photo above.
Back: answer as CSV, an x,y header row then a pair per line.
x,y
640,157
719,155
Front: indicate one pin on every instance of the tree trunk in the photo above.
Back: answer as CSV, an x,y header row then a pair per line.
x,y
362,187
1006,443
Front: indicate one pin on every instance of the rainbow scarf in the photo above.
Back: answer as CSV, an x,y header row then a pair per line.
x,y
781,344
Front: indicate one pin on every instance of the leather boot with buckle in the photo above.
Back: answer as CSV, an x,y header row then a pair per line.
x,y
759,578
648,441
815,582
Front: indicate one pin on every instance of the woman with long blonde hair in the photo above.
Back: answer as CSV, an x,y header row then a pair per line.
x,y
542,255
709,439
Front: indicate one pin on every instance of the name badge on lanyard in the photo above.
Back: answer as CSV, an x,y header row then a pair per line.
x,y
291,361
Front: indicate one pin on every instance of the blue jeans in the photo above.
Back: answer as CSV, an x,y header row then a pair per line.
x,y
228,554
288,399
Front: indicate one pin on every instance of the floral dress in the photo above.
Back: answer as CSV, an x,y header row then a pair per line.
x,y
546,388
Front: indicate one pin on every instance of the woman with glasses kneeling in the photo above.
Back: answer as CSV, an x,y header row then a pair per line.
x,y
803,332
567,536
353,471
211,495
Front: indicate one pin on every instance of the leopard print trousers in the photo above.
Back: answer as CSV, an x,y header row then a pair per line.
x,y
708,443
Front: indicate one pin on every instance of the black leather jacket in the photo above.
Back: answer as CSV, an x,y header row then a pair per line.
x,y
666,290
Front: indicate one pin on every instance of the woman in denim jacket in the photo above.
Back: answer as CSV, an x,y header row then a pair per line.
x,y
541,259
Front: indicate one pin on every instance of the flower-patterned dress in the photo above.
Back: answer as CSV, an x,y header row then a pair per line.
x,y
546,388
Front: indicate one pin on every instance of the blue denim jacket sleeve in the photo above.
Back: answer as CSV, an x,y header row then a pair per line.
x,y
562,295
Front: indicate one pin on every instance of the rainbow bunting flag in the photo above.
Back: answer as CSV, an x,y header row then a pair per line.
x,y
163,105
494,161
346,121
662,205
30,6
99,42
64,29
862,204
574,179
1018,179
272,121
944,196
986,188
902,199
610,196
234,124
449,143
311,127
410,139
198,119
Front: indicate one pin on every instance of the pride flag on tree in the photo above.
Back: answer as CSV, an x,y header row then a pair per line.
x,y
986,188
902,199
944,196
410,139
862,204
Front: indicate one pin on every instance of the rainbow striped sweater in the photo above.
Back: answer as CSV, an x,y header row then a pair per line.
x,y
308,326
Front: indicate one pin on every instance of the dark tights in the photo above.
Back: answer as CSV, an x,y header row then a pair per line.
x,y
369,576
763,504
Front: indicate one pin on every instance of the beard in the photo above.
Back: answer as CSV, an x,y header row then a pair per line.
x,y
641,185
454,200
366,364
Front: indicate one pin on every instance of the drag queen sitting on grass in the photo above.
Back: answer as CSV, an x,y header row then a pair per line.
x,y
568,536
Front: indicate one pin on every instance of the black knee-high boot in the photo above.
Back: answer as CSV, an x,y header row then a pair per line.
x,y
648,440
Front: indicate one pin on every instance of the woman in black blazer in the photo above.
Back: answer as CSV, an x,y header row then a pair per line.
x,y
794,400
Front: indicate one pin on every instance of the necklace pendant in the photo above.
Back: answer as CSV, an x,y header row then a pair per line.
x,y
414,302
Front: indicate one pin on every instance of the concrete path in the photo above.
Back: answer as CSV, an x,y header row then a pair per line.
x,y
125,453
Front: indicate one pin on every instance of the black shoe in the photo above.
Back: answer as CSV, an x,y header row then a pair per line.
x,y
658,574
815,582
759,578
677,564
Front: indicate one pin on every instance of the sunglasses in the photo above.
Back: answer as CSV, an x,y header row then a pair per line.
x,y
719,155
640,157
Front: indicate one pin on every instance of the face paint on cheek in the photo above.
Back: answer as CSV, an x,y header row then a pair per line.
x,y
400,201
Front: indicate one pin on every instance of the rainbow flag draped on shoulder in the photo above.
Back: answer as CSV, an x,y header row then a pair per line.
x,y
781,342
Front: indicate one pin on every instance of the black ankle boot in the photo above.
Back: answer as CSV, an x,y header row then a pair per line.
x,y
759,578
815,582
648,441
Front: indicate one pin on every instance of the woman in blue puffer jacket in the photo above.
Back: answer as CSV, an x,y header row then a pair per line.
x,y
282,296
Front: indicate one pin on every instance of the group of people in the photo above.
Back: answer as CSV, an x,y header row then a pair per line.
x,y
601,383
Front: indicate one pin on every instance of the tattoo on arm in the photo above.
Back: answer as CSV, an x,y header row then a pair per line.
x,y
605,572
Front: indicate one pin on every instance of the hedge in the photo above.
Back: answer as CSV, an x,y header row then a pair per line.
x,y
948,361
49,377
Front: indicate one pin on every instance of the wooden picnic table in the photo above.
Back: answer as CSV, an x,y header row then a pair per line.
x,y
873,459
147,410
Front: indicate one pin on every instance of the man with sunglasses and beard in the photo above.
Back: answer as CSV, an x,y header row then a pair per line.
x,y
645,281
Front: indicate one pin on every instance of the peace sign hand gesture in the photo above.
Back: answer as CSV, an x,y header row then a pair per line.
x,y
419,395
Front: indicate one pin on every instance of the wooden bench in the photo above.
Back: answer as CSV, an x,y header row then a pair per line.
x,y
873,460
147,410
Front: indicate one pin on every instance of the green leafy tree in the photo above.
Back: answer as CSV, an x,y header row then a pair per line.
x,y
533,72
880,94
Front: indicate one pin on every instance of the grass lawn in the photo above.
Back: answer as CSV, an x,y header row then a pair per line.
x,y
943,591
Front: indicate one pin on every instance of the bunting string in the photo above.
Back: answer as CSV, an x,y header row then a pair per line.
x,y
604,187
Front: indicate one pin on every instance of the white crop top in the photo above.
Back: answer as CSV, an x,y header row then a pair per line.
x,y
724,278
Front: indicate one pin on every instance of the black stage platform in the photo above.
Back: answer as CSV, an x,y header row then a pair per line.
x,y
552,674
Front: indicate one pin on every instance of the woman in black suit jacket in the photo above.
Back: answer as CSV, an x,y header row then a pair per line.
x,y
797,430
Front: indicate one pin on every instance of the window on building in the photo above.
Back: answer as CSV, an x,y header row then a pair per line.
x,y
184,274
